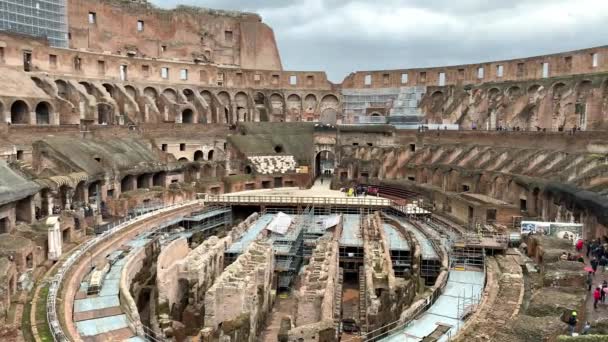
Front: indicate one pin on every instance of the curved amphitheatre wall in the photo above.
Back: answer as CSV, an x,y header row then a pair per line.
x,y
551,183
81,267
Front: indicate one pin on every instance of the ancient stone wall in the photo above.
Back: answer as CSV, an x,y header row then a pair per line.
x,y
185,33
385,296
540,182
184,275
316,302
523,69
238,302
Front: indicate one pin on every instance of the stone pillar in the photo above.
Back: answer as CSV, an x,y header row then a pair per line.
x,y
32,120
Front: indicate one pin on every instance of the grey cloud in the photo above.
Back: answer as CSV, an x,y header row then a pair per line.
x,y
341,36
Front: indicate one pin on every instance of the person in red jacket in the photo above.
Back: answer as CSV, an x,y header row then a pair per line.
x,y
596,297
579,245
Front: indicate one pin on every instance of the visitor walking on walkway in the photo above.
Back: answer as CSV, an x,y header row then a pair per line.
x,y
572,322
589,280
594,264
603,292
596,297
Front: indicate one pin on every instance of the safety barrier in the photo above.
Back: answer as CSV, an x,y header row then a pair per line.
x,y
51,303
304,201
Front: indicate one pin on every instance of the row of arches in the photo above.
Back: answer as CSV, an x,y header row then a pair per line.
x,y
20,113
558,105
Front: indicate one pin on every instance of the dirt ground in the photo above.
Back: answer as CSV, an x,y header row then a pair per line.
x,y
284,305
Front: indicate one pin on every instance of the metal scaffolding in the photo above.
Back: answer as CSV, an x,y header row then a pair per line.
x,y
40,18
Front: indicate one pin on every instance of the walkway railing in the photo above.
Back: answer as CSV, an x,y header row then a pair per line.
x,y
51,303
305,201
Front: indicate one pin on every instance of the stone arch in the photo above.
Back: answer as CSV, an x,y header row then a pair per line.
x,y
170,94
259,98
513,92
110,89
558,90
189,94
224,98
210,155
183,160
375,114
187,116
242,104
131,91
493,93
43,113
277,104
199,155
207,171
533,89
330,101
310,103
208,97
151,93
105,112
294,107
87,86
437,94
20,112
62,88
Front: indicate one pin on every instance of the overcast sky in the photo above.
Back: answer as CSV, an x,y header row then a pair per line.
x,y
342,36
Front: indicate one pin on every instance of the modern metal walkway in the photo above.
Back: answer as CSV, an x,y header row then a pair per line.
x,y
462,292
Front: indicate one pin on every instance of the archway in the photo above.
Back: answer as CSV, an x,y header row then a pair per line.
x,y
199,156
210,155
170,95
109,88
183,160
20,113
188,116
43,112
104,113
189,94
62,88
131,91
324,163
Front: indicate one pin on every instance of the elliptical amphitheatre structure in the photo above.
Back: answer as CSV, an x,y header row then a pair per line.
x,y
163,178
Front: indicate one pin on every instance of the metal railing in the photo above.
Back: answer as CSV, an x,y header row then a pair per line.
x,y
306,201
51,302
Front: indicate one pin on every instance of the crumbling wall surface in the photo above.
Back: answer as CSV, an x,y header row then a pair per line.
x,y
242,296
501,303
554,301
564,274
316,297
133,266
385,296
167,269
188,274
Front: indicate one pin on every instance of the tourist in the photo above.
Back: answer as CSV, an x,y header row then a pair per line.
x,y
589,280
572,322
594,263
603,262
579,245
586,328
596,296
563,257
604,290
588,245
